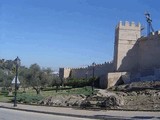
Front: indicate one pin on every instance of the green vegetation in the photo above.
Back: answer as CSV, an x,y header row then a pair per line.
x,y
30,96
4,97
37,83
79,82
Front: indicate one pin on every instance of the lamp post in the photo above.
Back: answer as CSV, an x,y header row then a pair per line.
x,y
93,65
17,62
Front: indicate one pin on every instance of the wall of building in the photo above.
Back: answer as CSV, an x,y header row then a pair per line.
x,y
149,51
64,72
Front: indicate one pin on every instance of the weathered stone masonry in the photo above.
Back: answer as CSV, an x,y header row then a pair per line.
x,y
125,48
100,70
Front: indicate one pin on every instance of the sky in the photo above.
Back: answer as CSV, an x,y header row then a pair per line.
x,y
67,33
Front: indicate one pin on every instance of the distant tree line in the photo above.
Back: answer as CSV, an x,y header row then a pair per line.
x,y
36,77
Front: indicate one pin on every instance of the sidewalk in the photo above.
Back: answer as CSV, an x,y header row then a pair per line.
x,y
99,114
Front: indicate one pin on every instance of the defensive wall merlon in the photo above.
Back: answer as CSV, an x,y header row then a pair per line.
x,y
89,66
129,25
155,33
152,36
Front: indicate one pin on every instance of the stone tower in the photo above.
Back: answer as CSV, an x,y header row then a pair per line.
x,y
125,49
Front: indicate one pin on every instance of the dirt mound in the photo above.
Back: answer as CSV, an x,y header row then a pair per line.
x,y
140,95
107,102
65,100
134,96
137,86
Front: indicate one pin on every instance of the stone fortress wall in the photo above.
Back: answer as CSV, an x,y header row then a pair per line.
x,y
135,58
64,73
149,51
100,70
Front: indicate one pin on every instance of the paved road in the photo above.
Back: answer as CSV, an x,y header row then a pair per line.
x,y
7,114
70,112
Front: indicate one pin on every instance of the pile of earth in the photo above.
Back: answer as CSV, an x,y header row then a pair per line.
x,y
102,102
93,101
139,95
63,100
134,96
137,86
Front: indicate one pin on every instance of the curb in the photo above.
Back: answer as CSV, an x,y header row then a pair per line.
x,y
63,114
53,113
88,108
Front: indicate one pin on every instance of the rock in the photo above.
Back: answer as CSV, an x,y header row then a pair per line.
x,y
10,93
82,96
133,93
121,94
112,102
85,104
71,100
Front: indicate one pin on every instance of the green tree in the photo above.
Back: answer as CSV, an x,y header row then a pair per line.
x,y
39,78
5,79
46,77
33,77
23,72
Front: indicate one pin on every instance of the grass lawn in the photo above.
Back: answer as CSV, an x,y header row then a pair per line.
x,y
31,94
5,98
67,91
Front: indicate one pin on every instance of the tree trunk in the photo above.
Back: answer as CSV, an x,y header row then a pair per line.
x,y
38,90
56,88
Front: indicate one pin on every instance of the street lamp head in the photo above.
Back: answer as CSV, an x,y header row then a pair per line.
x,y
17,61
148,18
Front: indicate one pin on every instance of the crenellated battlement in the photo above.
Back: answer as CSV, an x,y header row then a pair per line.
x,y
97,65
80,68
105,63
154,33
152,36
67,68
127,24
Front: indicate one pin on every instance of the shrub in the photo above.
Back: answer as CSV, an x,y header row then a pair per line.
x,y
4,91
79,82
26,98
